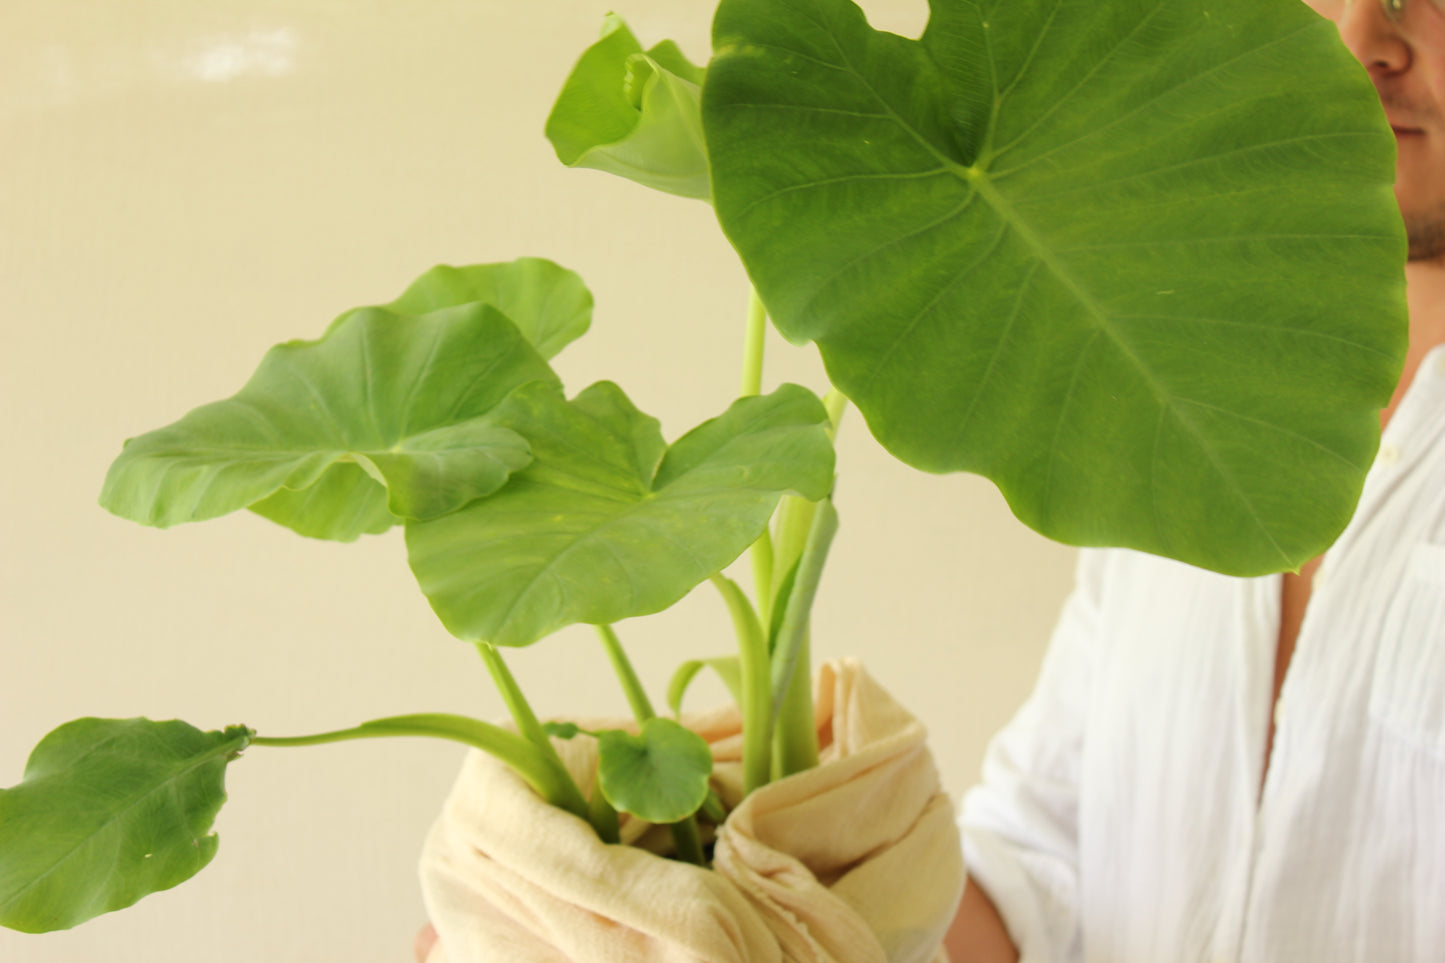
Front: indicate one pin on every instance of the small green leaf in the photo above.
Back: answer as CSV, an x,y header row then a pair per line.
x,y
633,113
109,811
562,730
548,303
608,522
402,398
659,775
727,668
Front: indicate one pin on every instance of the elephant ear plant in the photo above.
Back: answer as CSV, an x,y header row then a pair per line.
x,y
1138,262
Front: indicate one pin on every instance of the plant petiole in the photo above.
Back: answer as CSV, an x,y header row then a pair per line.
x,y
761,555
531,730
684,832
756,692
790,648
525,759
688,841
631,685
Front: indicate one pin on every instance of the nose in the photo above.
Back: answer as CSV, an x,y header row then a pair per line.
x,y
1373,38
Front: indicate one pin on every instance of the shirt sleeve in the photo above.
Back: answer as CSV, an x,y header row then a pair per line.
x,y
1020,824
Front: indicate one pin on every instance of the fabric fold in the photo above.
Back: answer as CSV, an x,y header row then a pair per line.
x,y
855,861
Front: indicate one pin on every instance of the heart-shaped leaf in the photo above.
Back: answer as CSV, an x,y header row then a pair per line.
x,y
633,113
608,522
403,398
548,303
660,774
110,810
1138,261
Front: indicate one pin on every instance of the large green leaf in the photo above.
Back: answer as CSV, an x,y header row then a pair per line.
x,y
109,811
608,522
548,303
633,113
1138,261
403,398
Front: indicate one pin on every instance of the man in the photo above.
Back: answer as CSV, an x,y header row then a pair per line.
x,y
1146,805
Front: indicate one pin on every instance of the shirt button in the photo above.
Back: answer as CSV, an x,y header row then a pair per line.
x,y
1389,455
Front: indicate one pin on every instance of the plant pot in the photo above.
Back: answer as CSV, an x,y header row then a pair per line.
x,y
855,861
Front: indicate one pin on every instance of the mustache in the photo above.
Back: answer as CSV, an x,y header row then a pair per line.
x,y
1403,109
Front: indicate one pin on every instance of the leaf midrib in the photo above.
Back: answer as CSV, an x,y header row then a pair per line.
x,y
978,178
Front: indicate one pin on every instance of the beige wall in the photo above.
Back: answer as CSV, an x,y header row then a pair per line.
x,y
183,184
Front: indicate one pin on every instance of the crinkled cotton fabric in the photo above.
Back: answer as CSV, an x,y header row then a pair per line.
x,y
1125,814
855,861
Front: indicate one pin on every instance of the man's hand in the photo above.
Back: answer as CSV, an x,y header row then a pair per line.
x,y
426,938
978,934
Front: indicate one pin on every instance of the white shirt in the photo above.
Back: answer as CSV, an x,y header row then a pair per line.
x,y
1122,817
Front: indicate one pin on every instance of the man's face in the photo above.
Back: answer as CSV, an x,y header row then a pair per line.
x,y
1405,57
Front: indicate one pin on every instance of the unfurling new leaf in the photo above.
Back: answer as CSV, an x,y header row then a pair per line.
x,y
634,113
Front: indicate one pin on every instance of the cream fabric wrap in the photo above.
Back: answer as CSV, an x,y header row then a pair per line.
x,y
856,861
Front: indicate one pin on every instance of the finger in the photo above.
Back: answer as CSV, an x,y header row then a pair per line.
x,y
421,947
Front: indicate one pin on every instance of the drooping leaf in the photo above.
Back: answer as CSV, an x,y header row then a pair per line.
x,y
548,303
405,398
345,503
109,811
634,114
659,775
1139,262
608,522
728,669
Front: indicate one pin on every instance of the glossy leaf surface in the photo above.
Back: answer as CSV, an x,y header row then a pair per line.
x,y
1138,262
660,774
633,113
402,398
608,522
109,811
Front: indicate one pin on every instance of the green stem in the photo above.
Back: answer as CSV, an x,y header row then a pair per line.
x,y
524,758
636,694
790,649
712,808
795,734
795,520
835,403
756,685
602,816
688,841
761,555
752,382
684,833
530,728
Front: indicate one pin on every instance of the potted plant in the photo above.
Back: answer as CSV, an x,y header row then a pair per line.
x,y
1033,244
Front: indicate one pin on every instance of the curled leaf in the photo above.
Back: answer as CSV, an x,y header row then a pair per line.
x,y
633,113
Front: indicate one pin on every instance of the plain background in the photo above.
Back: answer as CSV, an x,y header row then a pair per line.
x,y
183,184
